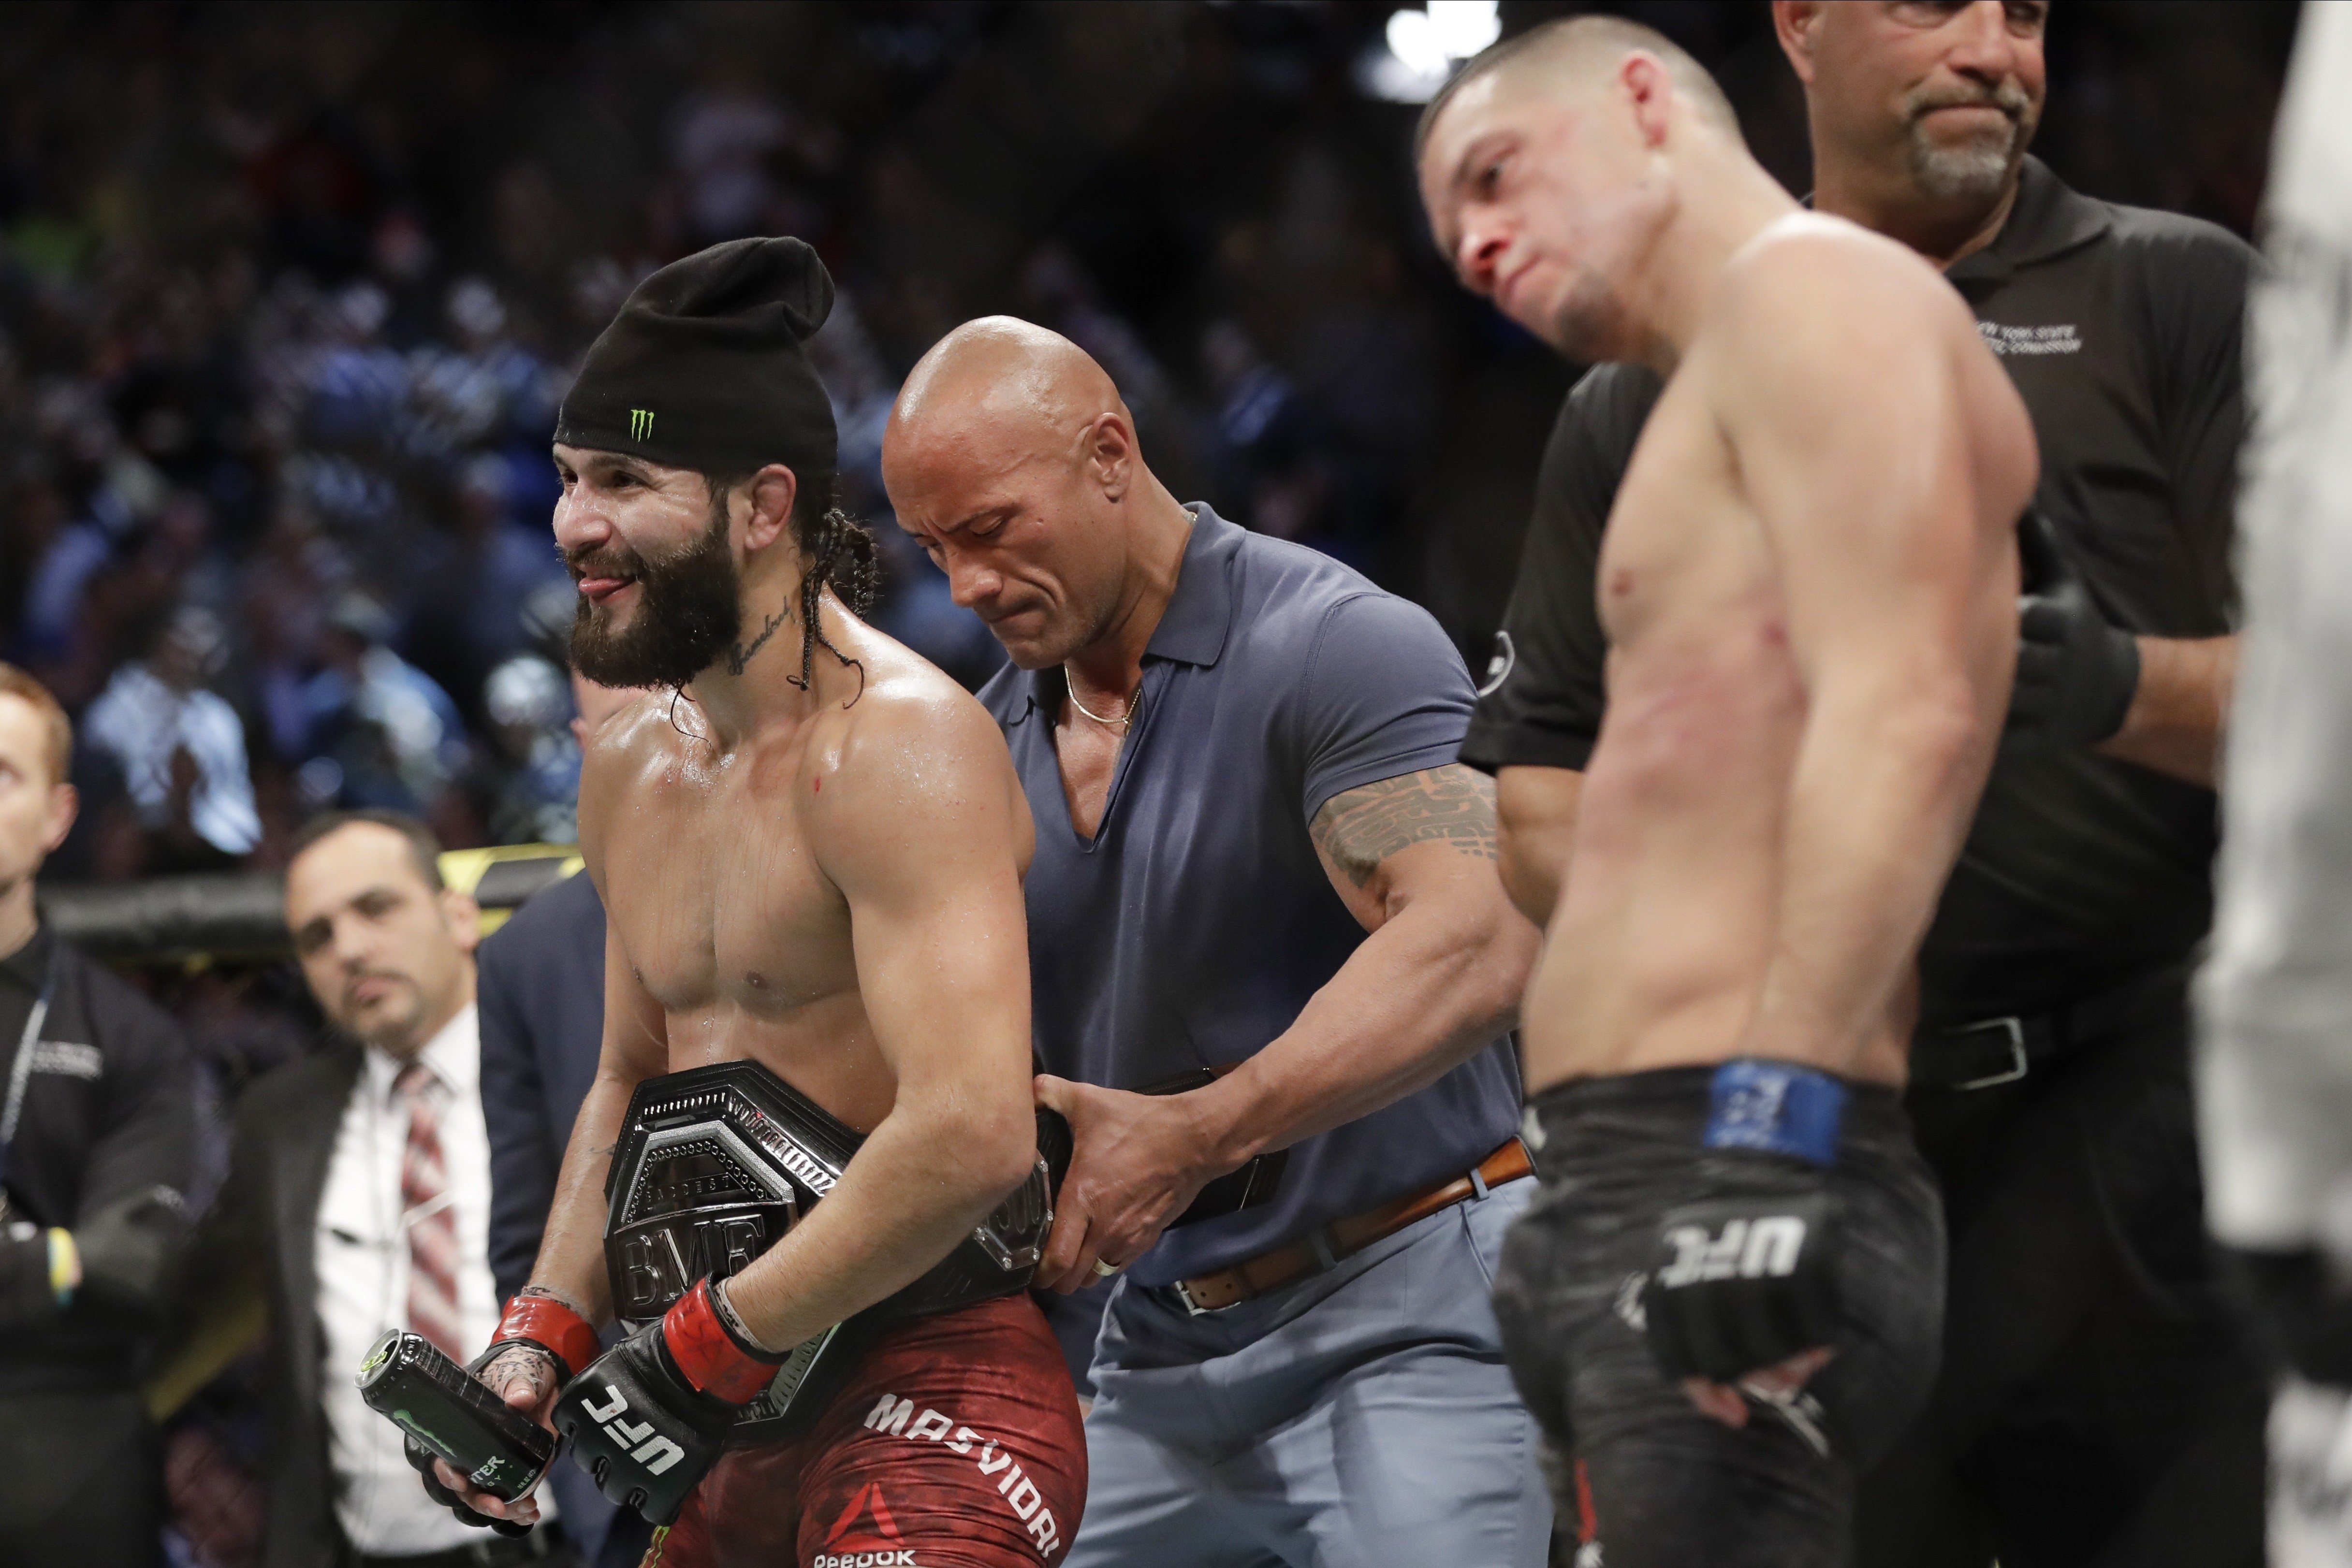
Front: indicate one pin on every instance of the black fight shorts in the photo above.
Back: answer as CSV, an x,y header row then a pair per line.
x,y
1641,1478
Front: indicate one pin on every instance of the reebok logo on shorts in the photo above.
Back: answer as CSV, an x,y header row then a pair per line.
x,y
899,1418
866,1536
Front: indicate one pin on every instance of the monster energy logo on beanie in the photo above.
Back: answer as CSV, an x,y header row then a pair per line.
x,y
712,346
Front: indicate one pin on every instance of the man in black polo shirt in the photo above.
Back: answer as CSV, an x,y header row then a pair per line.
x,y
97,1151
2097,1395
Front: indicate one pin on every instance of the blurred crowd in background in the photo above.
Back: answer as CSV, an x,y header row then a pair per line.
x,y
289,297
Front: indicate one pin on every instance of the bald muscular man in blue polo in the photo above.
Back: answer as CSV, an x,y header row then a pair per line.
x,y
1259,872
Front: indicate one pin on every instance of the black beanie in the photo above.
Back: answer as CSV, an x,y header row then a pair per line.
x,y
703,367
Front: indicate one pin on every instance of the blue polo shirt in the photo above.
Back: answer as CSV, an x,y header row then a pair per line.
x,y
1193,927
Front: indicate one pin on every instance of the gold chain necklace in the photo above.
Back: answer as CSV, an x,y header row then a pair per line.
x,y
1070,689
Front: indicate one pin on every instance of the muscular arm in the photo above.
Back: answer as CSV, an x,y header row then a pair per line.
x,y
1886,471
2177,716
920,837
1535,828
1439,977
637,1047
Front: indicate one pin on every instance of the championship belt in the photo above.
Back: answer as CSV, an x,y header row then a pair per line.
x,y
716,1163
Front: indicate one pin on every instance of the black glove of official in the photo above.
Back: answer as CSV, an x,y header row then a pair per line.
x,y
2306,1308
651,1415
2077,674
1742,1283
131,1249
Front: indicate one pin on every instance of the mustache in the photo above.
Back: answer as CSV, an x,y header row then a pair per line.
x,y
2009,97
610,559
352,983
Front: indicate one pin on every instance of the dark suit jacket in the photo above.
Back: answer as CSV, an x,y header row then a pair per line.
x,y
541,992
258,1242
542,995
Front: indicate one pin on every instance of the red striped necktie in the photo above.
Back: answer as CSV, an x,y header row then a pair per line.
x,y
429,1216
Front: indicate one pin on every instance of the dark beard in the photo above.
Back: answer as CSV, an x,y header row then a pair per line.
x,y
691,611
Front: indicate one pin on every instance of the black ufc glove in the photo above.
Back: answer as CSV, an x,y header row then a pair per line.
x,y
2077,674
651,1415
1746,1280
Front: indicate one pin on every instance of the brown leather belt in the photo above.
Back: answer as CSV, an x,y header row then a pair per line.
x,y
1294,1260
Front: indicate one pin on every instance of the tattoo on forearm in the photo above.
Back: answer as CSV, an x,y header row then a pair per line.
x,y
1363,827
738,655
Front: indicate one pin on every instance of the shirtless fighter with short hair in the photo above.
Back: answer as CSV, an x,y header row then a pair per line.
x,y
816,980
1810,583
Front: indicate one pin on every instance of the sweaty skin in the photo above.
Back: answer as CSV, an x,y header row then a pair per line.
x,y
1808,578
1885,80
827,883
1809,585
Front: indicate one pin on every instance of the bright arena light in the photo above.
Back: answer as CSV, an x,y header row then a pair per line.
x,y
1423,46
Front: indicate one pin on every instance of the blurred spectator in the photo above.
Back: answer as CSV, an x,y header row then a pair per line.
x,y
542,1008
181,747
358,1198
483,578
96,1160
535,758
375,731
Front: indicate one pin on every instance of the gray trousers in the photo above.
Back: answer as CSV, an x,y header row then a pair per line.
x,y
1361,1418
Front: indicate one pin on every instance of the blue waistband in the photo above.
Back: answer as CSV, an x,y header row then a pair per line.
x,y
1777,1106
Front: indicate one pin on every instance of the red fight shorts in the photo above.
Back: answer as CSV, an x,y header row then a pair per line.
x,y
956,1443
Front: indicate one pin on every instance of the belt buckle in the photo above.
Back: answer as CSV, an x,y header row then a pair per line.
x,y
1193,1309
2017,1061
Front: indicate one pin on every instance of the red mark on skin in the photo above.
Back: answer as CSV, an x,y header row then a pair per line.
x,y
816,785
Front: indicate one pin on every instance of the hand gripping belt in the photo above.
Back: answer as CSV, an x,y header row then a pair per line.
x,y
716,1163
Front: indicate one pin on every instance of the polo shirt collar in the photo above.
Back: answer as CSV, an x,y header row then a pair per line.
x,y
1200,612
1191,630
2049,219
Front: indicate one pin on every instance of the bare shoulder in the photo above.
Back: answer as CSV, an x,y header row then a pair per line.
x,y
1822,287
1826,339
902,745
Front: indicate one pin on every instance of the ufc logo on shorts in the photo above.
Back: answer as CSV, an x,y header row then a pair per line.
x,y
657,1454
1747,1250
897,1417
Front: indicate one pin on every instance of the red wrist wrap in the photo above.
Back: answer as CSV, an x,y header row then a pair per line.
x,y
554,1327
713,1360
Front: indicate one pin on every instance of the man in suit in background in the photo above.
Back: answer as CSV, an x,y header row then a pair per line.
x,y
358,1199
542,1025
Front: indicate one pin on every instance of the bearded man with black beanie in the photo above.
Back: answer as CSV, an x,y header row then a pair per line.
x,y
808,1175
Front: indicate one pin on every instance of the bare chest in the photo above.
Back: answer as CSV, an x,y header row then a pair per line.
x,y
1683,562
1087,757
717,894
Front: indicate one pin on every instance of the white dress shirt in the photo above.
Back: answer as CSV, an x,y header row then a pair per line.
x,y
363,1254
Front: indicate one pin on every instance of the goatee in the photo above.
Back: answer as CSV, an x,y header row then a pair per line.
x,y
689,610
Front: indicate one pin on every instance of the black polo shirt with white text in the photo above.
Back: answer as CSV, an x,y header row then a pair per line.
x,y
2122,329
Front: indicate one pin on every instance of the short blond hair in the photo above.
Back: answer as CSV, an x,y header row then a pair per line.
x,y
58,729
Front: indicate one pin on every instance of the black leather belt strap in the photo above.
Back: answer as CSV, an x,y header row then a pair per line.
x,y
490,1551
1991,1052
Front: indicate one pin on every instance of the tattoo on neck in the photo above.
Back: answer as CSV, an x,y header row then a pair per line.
x,y
738,655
